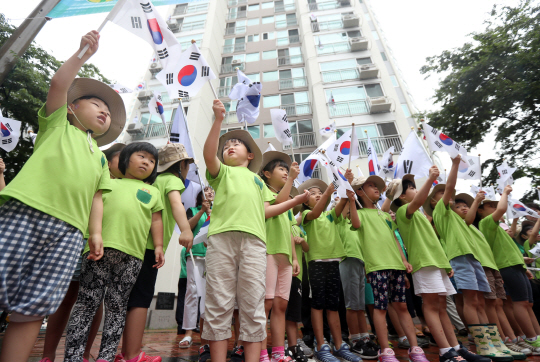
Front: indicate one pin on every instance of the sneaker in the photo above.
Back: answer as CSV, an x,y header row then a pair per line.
x,y
404,344
85,360
533,345
296,353
472,357
344,353
142,357
282,358
364,349
423,342
152,359
308,340
387,355
451,356
119,357
204,353
302,344
46,359
237,354
517,348
325,354
416,354
523,344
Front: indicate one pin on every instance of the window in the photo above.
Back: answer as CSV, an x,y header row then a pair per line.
x,y
269,36
366,15
361,61
374,90
270,102
269,131
270,76
359,130
338,65
252,22
255,77
383,55
270,54
394,81
267,5
375,35
346,94
405,109
387,129
268,19
304,126
253,38
255,131
253,7
252,57
284,99
185,41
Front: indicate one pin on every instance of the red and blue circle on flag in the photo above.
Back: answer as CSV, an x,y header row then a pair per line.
x,y
187,75
445,139
4,130
155,31
345,148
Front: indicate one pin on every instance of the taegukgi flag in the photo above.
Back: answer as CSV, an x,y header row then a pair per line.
x,y
187,75
247,108
387,164
373,163
202,236
472,170
281,126
155,106
328,129
10,132
438,141
241,87
340,150
121,89
413,159
308,165
516,209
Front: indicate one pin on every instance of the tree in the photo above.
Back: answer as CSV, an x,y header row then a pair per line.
x,y
493,84
24,91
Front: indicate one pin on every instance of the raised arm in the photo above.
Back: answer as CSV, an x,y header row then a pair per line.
x,y
423,193
533,238
471,215
179,214
65,75
355,220
503,204
321,204
211,145
283,195
452,179
340,206
386,204
275,210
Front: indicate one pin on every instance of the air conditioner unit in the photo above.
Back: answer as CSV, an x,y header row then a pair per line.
x,y
349,17
365,67
135,128
236,62
358,44
355,40
153,65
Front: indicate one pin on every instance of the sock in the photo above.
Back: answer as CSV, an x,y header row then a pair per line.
x,y
402,339
278,352
264,355
515,340
523,336
457,348
532,339
355,337
442,351
365,336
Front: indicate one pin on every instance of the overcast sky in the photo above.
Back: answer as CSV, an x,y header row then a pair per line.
x,y
414,29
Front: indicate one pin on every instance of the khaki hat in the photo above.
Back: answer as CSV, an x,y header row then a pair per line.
x,y
358,182
245,136
465,197
84,87
117,147
395,189
314,182
274,155
427,204
171,154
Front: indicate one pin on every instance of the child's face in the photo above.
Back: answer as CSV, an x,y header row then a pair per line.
x,y
209,193
113,167
184,169
93,113
436,197
236,154
369,190
409,194
278,177
488,209
393,214
315,195
141,164
461,209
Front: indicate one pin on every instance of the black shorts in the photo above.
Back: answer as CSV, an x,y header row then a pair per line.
x,y
294,308
517,284
324,281
143,291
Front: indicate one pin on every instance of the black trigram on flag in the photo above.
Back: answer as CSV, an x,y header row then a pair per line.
x,y
438,144
175,137
434,131
147,8
182,94
407,166
123,90
287,133
8,127
205,71
7,141
340,159
194,56
136,22
163,53
169,78
336,147
284,119
472,173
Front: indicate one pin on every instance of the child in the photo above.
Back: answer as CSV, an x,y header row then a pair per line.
x,y
323,258
45,208
511,266
130,211
173,168
236,254
113,154
428,261
281,259
386,272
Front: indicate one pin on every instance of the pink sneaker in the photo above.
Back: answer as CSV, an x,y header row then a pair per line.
x,y
387,355
416,354
153,359
85,360
118,358
46,359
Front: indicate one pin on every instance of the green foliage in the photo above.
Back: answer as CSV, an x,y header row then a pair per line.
x,y
493,84
24,91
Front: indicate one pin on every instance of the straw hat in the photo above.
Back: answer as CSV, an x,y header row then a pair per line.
x,y
427,204
84,87
358,182
311,183
274,155
245,136
117,147
465,197
395,189
171,154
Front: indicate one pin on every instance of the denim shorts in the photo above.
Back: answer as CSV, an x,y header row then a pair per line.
x,y
469,274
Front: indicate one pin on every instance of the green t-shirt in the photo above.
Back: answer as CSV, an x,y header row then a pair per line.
x,y
484,253
278,233
199,249
378,242
183,271
350,239
454,231
239,202
324,240
422,244
504,249
165,183
297,231
62,175
527,247
127,215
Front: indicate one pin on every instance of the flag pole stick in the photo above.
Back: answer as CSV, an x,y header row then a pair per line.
x,y
423,147
480,161
323,152
350,151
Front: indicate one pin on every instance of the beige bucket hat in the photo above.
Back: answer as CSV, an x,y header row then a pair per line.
x,y
245,136
395,189
465,197
427,204
171,154
273,155
314,182
358,182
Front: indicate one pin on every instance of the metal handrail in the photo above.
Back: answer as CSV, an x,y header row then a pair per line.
x,y
229,68
237,15
291,39
301,140
297,109
240,47
328,5
381,144
235,30
291,83
326,25
224,91
285,7
290,59
286,23
348,108
341,47
192,26
340,75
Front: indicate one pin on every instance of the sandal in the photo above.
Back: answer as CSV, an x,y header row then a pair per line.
x,y
426,331
187,339
419,334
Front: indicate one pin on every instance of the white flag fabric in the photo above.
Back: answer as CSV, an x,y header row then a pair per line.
x,y
180,134
387,164
307,166
313,17
187,74
516,209
202,236
281,126
373,163
142,19
10,132
155,106
328,129
413,159
247,108
505,173
489,191
141,86
32,136
471,171
438,141
270,147
360,174
121,89
189,196
240,89
334,174
340,150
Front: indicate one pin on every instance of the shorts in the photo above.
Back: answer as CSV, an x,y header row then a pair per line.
x,y
142,293
431,279
278,276
368,293
388,286
324,282
352,274
294,308
495,283
469,274
38,254
517,284
77,273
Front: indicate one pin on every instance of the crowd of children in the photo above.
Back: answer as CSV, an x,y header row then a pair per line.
x,y
81,229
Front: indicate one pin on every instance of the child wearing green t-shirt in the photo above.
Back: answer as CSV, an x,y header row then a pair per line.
x,y
236,254
123,221
386,272
45,209
113,155
511,266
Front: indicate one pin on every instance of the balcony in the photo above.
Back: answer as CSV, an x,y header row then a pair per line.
x,y
286,23
231,118
328,5
341,75
381,144
343,109
192,26
240,47
358,44
290,60
326,25
230,68
368,71
302,140
224,91
292,39
177,100
298,109
379,104
350,21
237,2
152,130
173,25
292,83
154,69
191,8
237,15
284,8
335,48
235,30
